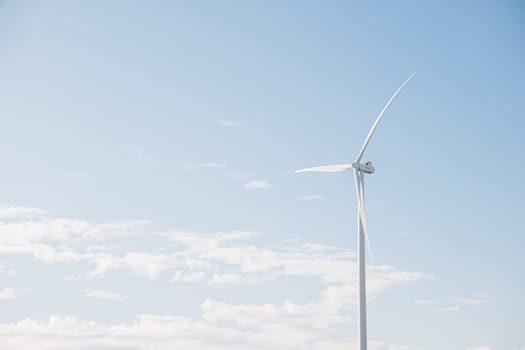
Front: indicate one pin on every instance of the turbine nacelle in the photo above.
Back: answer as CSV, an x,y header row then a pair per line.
x,y
366,168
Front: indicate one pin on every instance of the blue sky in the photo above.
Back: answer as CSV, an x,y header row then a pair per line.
x,y
148,152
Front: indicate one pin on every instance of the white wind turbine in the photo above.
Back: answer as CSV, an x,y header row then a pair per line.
x,y
362,234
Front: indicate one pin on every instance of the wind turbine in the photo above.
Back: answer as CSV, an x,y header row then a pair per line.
x,y
362,233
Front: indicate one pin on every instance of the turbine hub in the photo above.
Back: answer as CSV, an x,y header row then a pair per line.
x,y
366,168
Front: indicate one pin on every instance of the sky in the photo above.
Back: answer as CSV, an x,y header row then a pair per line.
x,y
148,199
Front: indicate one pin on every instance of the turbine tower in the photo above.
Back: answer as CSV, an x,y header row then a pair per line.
x,y
362,233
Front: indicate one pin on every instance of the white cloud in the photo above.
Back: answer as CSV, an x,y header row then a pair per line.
x,y
227,278
50,239
62,230
424,302
227,123
43,252
449,309
479,348
148,332
159,332
258,185
210,260
253,315
104,294
219,258
149,265
9,211
188,277
255,264
7,293
100,248
228,257
230,278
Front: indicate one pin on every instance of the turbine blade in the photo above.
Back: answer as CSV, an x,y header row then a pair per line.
x,y
326,168
361,210
378,119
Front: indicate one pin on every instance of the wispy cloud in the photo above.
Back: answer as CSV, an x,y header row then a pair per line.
x,y
203,165
424,302
258,185
73,278
456,303
245,279
149,265
475,301
7,271
479,348
212,165
311,197
228,172
139,154
74,174
104,294
238,175
227,123
449,309
188,277
7,294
